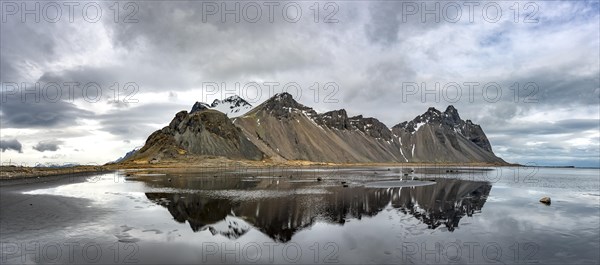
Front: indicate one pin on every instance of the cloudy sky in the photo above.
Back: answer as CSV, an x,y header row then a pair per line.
x,y
86,83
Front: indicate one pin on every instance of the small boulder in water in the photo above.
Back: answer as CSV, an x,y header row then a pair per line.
x,y
319,179
545,200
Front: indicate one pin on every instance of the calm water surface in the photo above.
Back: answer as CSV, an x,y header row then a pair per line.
x,y
370,215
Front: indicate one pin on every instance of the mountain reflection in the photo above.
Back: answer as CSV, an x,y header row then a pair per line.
x,y
231,214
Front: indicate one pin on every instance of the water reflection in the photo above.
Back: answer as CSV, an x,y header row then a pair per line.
x,y
281,211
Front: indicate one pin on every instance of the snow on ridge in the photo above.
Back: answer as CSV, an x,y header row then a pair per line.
x,y
233,106
418,125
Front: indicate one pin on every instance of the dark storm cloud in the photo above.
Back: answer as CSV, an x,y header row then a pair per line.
x,y
12,144
186,51
43,114
50,145
29,46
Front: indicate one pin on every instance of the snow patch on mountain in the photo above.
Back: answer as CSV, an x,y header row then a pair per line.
x,y
233,106
419,126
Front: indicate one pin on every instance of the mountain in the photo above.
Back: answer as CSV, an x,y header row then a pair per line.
x,y
56,165
233,106
204,132
281,129
285,129
127,155
437,136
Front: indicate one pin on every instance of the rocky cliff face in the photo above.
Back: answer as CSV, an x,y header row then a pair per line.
x,y
283,129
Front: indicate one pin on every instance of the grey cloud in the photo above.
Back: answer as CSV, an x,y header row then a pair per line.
x,y
16,114
12,144
21,49
369,53
50,145
385,22
391,22
139,121
172,95
543,127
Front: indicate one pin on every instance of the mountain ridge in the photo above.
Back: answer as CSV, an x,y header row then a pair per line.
x,y
282,129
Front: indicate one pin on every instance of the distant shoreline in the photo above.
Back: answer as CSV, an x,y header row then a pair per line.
x,y
216,163
8,173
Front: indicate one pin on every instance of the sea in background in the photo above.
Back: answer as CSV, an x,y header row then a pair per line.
x,y
407,215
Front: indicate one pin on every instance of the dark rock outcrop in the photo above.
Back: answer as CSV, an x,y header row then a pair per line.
x,y
203,132
199,106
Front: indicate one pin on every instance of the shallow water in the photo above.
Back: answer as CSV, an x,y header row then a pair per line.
x,y
370,215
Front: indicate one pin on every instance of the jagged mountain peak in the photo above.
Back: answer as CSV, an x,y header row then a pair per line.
x,y
282,95
235,100
451,114
449,118
433,110
431,116
448,122
333,113
281,105
232,106
284,100
450,109
199,106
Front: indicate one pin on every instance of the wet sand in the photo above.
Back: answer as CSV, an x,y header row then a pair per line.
x,y
22,212
31,225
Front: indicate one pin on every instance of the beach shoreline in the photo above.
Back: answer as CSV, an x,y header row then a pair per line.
x,y
15,173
